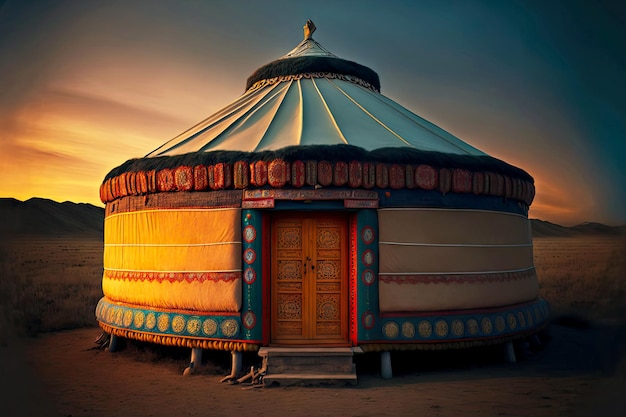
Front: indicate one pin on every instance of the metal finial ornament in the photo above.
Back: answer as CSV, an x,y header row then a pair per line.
x,y
309,28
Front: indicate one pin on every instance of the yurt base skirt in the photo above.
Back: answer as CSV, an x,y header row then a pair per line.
x,y
389,332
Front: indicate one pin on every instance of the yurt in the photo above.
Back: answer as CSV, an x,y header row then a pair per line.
x,y
314,214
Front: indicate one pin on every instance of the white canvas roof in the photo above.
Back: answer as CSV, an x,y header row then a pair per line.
x,y
315,110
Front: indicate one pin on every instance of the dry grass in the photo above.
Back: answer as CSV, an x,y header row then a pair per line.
x,y
49,284
583,275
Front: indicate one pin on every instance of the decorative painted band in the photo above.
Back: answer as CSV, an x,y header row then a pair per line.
x,y
279,173
213,326
464,326
308,75
457,278
464,344
172,276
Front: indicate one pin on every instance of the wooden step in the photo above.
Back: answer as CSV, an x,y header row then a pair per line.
x,y
309,365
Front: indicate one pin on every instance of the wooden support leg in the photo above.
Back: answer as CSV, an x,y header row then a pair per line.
x,y
385,365
235,367
509,352
113,342
196,360
236,362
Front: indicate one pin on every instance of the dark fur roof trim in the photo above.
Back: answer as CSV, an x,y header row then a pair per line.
x,y
304,64
331,153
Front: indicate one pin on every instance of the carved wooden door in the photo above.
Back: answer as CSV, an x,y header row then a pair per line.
x,y
309,279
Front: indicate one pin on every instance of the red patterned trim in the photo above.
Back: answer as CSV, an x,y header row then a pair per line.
x,y
310,194
155,276
279,173
457,278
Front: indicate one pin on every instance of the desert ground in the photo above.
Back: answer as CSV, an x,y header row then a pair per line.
x,y
50,365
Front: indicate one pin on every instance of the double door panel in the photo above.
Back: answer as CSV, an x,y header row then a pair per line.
x,y
309,280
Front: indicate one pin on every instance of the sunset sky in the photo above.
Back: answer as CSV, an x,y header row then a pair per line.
x,y
86,85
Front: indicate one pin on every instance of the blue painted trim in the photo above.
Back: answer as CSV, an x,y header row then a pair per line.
x,y
252,277
450,327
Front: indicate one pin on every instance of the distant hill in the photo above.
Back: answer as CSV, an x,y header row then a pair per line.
x,y
541,228
39,216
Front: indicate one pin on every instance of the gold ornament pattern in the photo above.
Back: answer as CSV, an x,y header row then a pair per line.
x,y
511,321
128,318
150,321
391,330
229,327
178,324
139,318
441,328
193,326
472,326
163,322
209,327
500,323
425,328
408,329
486,325
458,328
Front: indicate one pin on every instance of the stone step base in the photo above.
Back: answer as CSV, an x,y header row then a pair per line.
x,y
309,365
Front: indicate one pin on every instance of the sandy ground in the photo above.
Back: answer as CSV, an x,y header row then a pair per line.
x,y
577,372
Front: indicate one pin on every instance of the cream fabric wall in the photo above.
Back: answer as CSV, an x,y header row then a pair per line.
x,y
441,259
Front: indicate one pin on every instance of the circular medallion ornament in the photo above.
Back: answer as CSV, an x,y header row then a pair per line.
x,y
249,256
486,325
128,318
249,275
150,321
163,322
425,329
139,319
110,315
511,321
500,323
193,326
408,329
229,328
368,257
458,328
367,277
391,330
209,327
472,326
441,328
521,319
249,233
367,235
178,324
119,316
249,320
529,318
368,320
